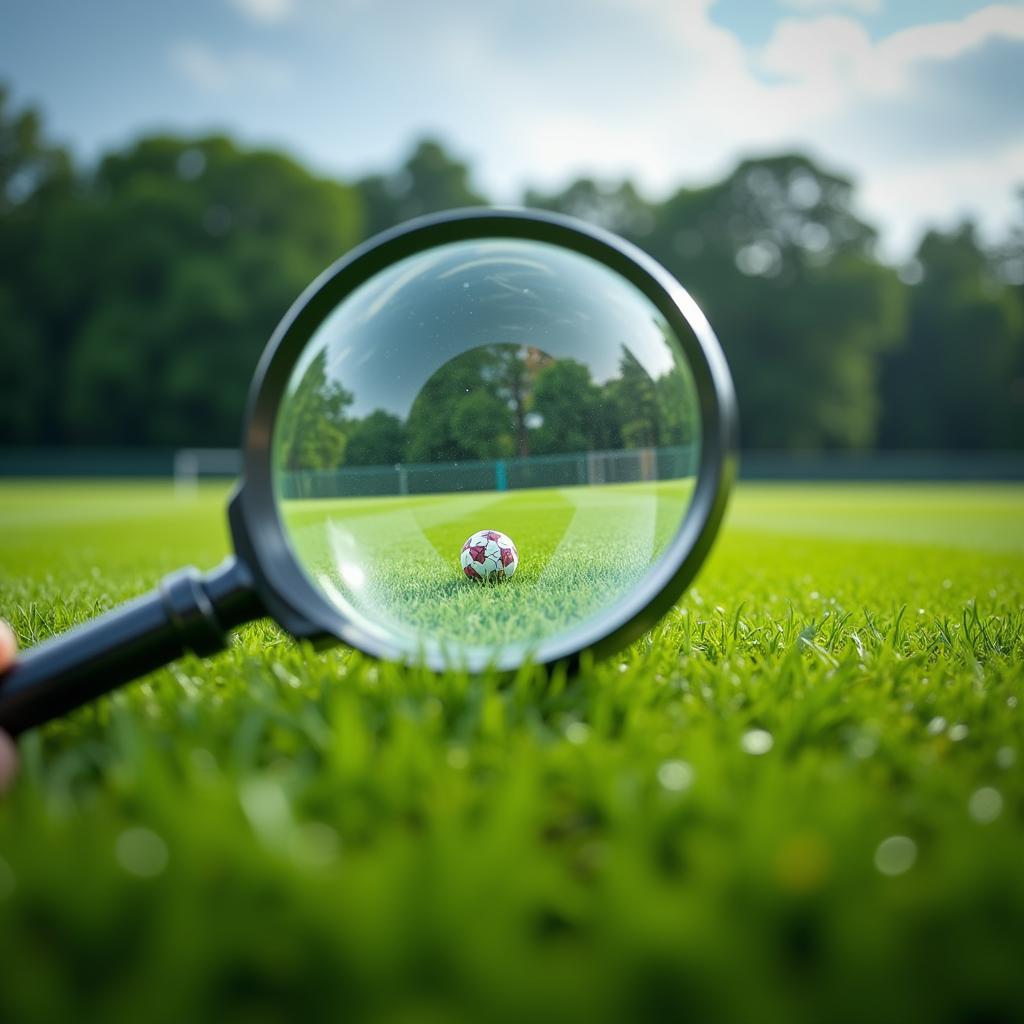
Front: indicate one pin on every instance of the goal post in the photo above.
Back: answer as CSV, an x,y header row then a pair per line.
x,y
192,463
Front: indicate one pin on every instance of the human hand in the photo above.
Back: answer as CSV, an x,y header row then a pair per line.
x,y
8,752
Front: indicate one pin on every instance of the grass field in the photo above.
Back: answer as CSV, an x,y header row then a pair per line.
x,y
801,798
395,560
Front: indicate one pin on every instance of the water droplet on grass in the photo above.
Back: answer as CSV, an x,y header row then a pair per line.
x,y
958,732
266,806
675,776
936,726
141,852
895,855
577,733
1006,757
757,742
985,805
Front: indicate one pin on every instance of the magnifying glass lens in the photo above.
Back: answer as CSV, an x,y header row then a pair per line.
x,y
480,439
485,447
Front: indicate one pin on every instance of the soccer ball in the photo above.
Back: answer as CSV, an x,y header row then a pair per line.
x,y
489,556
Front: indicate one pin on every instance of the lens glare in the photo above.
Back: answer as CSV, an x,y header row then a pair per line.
x,y
484,447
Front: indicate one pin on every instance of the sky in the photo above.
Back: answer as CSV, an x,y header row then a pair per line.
x,y
922,103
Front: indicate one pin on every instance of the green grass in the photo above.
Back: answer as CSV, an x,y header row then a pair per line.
x,y
801,798
395,561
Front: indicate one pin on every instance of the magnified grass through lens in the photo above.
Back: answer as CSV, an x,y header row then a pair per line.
x,y
580,548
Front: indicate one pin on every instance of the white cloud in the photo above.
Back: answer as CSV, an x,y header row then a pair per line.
x,y
659,91
218,74
664,94
926,120
947,191
837,51
812,6
268,12
949,38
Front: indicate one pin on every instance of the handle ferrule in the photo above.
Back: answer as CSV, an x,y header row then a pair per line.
x,y
187,612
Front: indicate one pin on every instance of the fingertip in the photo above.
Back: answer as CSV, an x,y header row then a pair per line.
x,y
8,645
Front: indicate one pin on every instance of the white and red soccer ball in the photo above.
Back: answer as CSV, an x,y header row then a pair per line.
x,y
489,556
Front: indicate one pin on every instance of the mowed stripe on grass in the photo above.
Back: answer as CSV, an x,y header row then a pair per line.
x,y
396,560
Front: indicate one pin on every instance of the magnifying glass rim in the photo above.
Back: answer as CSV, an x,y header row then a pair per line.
x,y
292,597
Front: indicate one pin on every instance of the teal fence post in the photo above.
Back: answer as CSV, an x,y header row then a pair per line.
x,y
500,476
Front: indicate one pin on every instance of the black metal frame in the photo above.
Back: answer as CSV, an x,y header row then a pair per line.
x,y
190,611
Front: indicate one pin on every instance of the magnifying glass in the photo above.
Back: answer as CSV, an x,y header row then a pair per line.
x,y
479,439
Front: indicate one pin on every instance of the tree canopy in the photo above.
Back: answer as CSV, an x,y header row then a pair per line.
x,y
491,402
136,295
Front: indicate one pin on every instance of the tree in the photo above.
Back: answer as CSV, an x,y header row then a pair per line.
x,y
30,167
619,208
509,369
376,440
636,400
1009,263
156,282
482,424
957,381
478,406
678,409
23,381
786,273
35,179
311,429
429,181
571,409
135,298
457,415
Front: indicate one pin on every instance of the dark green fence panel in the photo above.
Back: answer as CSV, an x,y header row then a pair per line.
x,y
570,470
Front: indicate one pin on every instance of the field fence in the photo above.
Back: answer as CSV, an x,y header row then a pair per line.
x,y
632,465
190,465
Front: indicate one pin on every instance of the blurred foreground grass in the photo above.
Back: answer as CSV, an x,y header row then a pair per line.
x,y
801,798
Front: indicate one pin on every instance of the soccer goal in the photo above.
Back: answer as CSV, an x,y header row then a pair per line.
x,y
192,463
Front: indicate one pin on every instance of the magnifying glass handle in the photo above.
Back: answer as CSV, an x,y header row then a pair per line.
x,y
188,611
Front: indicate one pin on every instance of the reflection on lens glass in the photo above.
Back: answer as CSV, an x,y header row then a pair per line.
x,y
501,389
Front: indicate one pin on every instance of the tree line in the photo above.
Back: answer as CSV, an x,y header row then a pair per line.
x,y
492,402
137,294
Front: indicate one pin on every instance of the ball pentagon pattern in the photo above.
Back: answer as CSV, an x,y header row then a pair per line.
x,y
489,556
